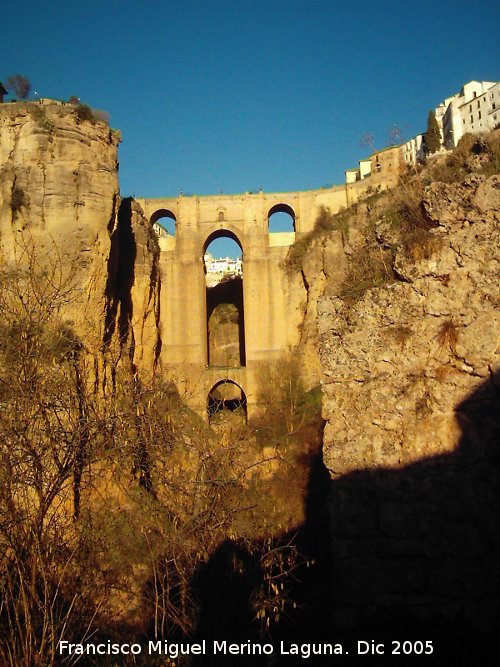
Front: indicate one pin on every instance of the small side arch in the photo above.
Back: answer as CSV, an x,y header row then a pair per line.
x,y
281,218
164,219
227,395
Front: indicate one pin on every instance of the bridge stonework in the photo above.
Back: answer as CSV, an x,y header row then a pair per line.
x,y
271,304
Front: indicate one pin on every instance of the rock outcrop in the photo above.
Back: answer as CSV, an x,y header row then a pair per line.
x,y
60,207
59,195
411,388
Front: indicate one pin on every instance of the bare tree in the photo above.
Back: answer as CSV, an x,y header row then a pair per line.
x,y
395,135
367,141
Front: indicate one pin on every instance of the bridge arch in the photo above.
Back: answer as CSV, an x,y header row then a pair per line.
x,y
228,395
224,307
170,221
228,231
284,218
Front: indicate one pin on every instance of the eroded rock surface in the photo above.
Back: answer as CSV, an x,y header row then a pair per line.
x,y
410,382
59,206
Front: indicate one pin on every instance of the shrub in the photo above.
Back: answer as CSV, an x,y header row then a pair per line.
x,y
474,153
421,244
401,334
432,136
100,114
371,267
40,117
448,335
19,200
20,85
84,113
492,166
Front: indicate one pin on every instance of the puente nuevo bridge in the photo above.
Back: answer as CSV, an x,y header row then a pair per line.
x,y
268,302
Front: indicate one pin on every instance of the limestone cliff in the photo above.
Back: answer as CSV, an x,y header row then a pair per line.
x,y
59,177
59,193
409,367
59,206
133,289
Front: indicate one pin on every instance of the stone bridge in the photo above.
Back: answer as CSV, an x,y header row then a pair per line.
x,y
272,303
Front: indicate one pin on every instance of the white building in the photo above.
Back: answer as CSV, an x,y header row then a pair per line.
x,y
160,231
482,113
413,150
223,267
359,173
475,108
471,110
440,112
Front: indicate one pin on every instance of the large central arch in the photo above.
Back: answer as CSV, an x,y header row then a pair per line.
x,y
225,318
223,232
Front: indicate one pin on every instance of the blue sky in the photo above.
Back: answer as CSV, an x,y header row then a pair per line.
x,y
231,96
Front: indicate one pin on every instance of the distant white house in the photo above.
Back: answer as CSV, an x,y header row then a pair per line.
x,y
413,150
359,173
219,268
473,109
160,231
481,113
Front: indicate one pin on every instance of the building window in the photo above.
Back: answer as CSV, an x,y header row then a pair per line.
x,y
478,103
479,115
470,107
464,121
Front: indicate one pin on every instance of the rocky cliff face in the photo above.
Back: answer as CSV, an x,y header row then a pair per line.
x,y
132,313
59,206
410,382
59,195
59,177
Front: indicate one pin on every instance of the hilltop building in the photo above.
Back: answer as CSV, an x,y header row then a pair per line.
x,y
475,108
413,150
382,167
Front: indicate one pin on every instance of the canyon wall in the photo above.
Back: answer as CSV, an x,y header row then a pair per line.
x,y
60,212
411,402
408,363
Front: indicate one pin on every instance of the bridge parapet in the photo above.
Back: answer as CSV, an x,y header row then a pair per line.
x,y
249,211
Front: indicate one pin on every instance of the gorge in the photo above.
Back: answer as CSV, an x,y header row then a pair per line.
x,y
352,478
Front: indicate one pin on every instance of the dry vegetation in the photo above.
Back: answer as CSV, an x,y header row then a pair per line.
x,y
474,154
117,504
402,211
402,214
326,222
